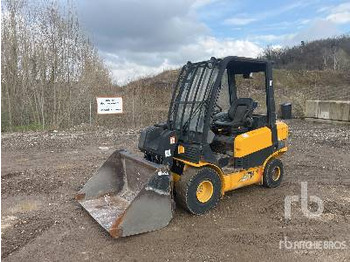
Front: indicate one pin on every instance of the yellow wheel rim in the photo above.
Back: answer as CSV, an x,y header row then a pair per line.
x,y
276,173
204,191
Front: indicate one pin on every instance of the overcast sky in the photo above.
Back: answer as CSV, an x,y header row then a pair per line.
x,y
142,37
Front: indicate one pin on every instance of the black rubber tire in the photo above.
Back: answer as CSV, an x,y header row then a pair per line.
x,y
186,189
269,171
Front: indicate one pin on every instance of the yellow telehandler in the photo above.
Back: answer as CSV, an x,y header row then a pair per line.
x,y
198,154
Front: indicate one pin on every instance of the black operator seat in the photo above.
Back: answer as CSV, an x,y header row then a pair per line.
x,y
239,114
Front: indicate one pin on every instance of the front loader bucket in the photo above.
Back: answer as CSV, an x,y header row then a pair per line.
x,y
129,195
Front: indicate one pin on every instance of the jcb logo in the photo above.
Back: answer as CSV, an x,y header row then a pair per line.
x,y
304,204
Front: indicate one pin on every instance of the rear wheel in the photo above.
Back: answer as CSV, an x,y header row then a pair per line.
x,y
273,173
198,190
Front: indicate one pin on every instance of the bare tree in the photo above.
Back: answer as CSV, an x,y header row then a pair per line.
x,y
50,69
324,54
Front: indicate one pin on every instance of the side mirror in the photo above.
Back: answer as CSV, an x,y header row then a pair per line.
x,y
248,75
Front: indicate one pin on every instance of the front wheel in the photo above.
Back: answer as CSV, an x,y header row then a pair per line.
x,y
198,190
273,173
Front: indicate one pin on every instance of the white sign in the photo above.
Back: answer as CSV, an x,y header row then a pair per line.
x,y
109,105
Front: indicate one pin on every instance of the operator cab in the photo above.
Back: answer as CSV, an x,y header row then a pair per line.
x,y
208,112
237,104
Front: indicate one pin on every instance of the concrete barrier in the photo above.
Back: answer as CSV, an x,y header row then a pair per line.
x,y
328,110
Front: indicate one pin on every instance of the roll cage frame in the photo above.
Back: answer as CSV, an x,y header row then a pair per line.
x,y
189,86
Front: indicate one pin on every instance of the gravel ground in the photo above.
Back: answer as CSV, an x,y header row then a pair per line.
x,y
41,221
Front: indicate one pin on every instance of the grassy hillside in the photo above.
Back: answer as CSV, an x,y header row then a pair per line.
x,y
146,100
323,54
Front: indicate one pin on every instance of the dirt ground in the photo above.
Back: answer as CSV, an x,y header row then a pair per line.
x,y
41,221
